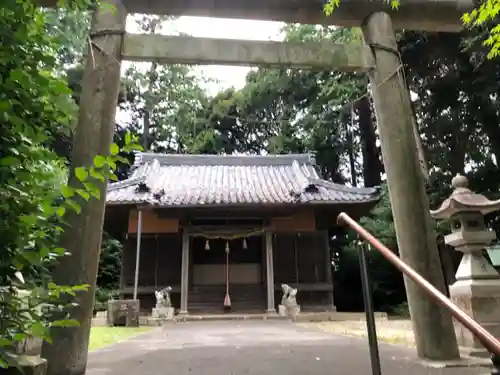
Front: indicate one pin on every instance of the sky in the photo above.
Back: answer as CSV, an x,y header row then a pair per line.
x,y
221,28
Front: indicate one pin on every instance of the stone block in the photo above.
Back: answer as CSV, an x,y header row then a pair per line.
x,y
282,310
123,312
480,299
28,365
165,313
31,346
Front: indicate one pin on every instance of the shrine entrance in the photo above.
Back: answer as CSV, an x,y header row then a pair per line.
x,y
376,55
240,259
227,275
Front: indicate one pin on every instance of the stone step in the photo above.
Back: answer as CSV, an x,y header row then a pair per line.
x,y
210,299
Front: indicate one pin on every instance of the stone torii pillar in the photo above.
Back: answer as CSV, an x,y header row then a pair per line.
x,y
432,325
67,355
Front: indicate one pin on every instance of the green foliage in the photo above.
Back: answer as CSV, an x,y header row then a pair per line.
x,y
102,296
331,5
380,221
35,106
402,310
162,100
108,277
485,16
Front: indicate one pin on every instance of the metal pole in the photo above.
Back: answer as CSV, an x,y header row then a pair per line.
x,y
484,336
137,252
495,360
369,310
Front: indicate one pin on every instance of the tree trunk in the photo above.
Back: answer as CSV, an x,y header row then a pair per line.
x,y
372,166
149,106
488,117
350,150
67,355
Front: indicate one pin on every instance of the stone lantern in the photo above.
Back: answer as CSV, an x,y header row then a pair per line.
x,y
477,286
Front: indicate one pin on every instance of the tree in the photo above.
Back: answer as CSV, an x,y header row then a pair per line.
x,y
162,100
36,106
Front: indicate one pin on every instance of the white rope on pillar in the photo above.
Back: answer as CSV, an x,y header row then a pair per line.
x,y
137,253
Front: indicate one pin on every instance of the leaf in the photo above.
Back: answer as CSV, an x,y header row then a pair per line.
x,y
93,189
114,149
29,219
83,194
59,251
39,330
31,256
9,160
75,206
122,160
67,191
99,161
95,174
61,211
19,336
81,173
5,342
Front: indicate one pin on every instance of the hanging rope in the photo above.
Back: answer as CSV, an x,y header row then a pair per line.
x,y
215,234
227,298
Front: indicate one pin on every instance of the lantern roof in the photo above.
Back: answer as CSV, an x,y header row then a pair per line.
x,y
464,200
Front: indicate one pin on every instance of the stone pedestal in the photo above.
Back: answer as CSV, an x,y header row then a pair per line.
x,y
26,356
481,300
27,365
124,312
31,346
282,310
163,313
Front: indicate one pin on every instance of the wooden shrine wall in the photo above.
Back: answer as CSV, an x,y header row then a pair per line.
x,y
300,258
152,223
159,263
302,221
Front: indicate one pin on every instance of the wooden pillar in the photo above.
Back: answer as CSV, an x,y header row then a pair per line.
x,y
328,265
122,268
433,328
185,273
138,252
270,273
67,354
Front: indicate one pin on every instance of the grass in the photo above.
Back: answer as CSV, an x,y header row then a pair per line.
x,y
104,336
393,332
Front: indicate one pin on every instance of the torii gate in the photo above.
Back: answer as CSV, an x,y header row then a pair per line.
x,y
379,57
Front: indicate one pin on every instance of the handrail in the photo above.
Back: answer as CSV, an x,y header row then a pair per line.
x,y
485,338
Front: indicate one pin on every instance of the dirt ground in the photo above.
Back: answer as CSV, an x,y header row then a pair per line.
x,y
390,331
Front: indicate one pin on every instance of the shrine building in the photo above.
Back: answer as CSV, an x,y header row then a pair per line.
x,y
211,226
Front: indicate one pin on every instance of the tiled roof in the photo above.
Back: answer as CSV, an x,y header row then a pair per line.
x,y
197,180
